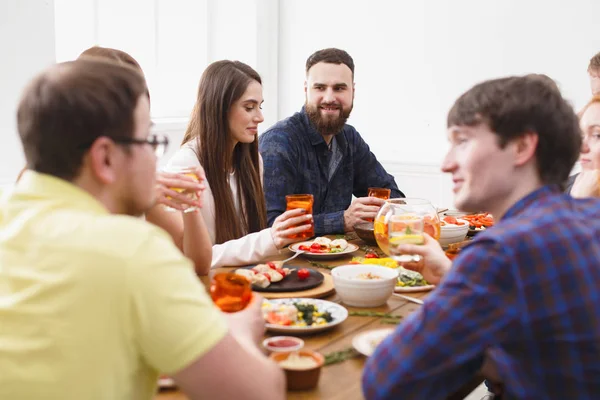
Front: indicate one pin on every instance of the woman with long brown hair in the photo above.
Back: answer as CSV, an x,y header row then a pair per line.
x,y
221,138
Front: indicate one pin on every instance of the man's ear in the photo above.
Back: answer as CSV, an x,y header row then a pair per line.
x,y
102,160
305,87
525,147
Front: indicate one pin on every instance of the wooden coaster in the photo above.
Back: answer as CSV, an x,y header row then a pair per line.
x,y
323,290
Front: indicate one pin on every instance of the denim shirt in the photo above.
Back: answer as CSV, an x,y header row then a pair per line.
x,y
296,161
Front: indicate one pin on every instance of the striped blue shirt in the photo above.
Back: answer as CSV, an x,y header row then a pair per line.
x,y
525,293
297,160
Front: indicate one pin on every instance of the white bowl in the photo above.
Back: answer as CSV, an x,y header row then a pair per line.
x,y
358,292
454,233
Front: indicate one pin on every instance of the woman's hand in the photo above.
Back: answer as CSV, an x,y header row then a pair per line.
x,y
167,182
290,223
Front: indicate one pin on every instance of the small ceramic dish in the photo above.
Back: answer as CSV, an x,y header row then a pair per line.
x,y
283,344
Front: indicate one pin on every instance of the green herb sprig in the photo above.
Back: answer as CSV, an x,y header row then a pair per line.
x,y
320,265
385,317
339,356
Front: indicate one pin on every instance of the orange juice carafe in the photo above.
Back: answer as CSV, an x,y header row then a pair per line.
x,y
420,206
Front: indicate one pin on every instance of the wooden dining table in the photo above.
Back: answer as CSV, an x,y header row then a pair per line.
x,y
341,380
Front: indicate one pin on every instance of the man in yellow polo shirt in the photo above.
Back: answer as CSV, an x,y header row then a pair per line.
x,y
94,302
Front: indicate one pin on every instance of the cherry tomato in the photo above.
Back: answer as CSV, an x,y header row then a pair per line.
x,y
304,248
371,255
271,265
303,274
315,246
267,276
281,271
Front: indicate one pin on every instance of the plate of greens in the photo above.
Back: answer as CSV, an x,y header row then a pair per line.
x,y
302,315
411,281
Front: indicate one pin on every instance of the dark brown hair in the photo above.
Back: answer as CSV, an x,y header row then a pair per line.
x,y
330,56
114,55
594,65
514,106
108,53
68,106
221,85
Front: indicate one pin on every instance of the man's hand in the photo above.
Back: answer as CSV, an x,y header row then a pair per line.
x,y
435,262
248,325
362,209
587,184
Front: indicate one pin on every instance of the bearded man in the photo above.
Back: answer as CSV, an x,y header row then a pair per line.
x,y
314,151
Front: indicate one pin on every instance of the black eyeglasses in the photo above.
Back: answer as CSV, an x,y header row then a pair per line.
x,y
159,143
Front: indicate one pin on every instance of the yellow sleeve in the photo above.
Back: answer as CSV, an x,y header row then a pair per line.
x,y
174,319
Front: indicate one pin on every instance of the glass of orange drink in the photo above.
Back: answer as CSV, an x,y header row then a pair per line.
x,y
304,201
393,209
380,193
230,292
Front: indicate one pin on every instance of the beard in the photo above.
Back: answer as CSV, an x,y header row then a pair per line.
x,y
328,126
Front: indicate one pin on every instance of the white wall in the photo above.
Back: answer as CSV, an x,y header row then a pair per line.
x,y
27,46
174,41
413,59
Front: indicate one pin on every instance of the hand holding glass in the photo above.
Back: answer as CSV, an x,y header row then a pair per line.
x,y
190,172
304,201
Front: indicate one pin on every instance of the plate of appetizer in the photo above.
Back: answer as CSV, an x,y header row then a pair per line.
x,y
366,342
411,281
479,222
323,248
302,315
273,277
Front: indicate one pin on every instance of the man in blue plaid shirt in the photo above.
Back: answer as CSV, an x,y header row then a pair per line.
x,y
523,299
314,151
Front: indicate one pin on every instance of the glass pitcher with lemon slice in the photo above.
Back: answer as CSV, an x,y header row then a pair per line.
x,y
394,209
405,228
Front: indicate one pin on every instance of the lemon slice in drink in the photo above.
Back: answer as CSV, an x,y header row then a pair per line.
x,y
407,239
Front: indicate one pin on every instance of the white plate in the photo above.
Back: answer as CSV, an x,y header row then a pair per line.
x,y
412,289
321,256
364,343
338,312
